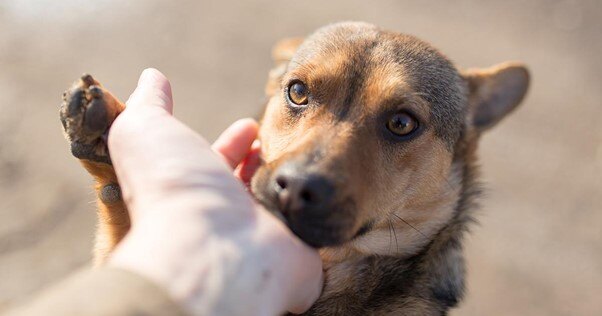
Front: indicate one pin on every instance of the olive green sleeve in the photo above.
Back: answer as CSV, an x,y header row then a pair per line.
x,y
105,291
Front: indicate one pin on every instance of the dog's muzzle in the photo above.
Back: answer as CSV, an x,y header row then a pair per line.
x,y
308,202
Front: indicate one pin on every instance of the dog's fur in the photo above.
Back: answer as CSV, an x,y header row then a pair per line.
x,y
397,208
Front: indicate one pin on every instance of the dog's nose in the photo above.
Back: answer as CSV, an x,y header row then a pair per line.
x,y
299,191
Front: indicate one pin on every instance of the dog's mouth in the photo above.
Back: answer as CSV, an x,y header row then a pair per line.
x,y
364,229
319,235
325,227
323,234
318,231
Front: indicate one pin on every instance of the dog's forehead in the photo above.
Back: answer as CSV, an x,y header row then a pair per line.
x,y
365,64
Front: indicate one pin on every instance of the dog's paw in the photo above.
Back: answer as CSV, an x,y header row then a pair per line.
x,y
87,112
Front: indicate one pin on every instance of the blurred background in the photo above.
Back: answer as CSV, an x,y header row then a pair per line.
x,y
538,248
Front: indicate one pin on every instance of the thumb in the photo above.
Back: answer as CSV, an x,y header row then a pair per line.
x,y
135,133
160,162
153,90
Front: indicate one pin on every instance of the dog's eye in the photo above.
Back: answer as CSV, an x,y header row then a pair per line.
x,y
402,124
298,93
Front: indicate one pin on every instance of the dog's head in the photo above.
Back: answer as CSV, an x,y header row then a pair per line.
x,y
365,132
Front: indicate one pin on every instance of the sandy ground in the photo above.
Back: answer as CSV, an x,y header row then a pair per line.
x,y
538,248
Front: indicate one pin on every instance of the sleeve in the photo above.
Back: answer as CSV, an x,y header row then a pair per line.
x,y
106,291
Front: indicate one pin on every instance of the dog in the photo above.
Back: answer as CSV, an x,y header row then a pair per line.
x,y
369,143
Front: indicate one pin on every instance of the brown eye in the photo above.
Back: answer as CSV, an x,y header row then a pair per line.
x,y
298,93
402,124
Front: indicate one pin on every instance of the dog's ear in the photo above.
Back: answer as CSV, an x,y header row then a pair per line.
x,y
495,92
282,53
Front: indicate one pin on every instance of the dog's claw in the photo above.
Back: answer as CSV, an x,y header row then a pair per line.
x,y
88,80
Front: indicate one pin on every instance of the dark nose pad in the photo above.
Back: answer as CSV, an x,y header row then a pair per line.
x,y
299,191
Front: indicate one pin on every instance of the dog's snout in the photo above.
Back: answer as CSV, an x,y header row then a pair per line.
x,y
300,191
312,203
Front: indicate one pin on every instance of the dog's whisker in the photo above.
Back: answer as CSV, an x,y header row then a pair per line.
x,y
390,241
395,234
450,186
412,226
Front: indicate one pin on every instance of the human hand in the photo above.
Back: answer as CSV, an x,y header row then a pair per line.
x,y
195,230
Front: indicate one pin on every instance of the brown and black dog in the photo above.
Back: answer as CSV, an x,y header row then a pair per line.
x,y
369,145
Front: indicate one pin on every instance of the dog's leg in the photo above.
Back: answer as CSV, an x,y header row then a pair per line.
x,y
87,112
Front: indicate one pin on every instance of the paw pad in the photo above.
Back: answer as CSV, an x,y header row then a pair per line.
x,y
84,114
110,193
